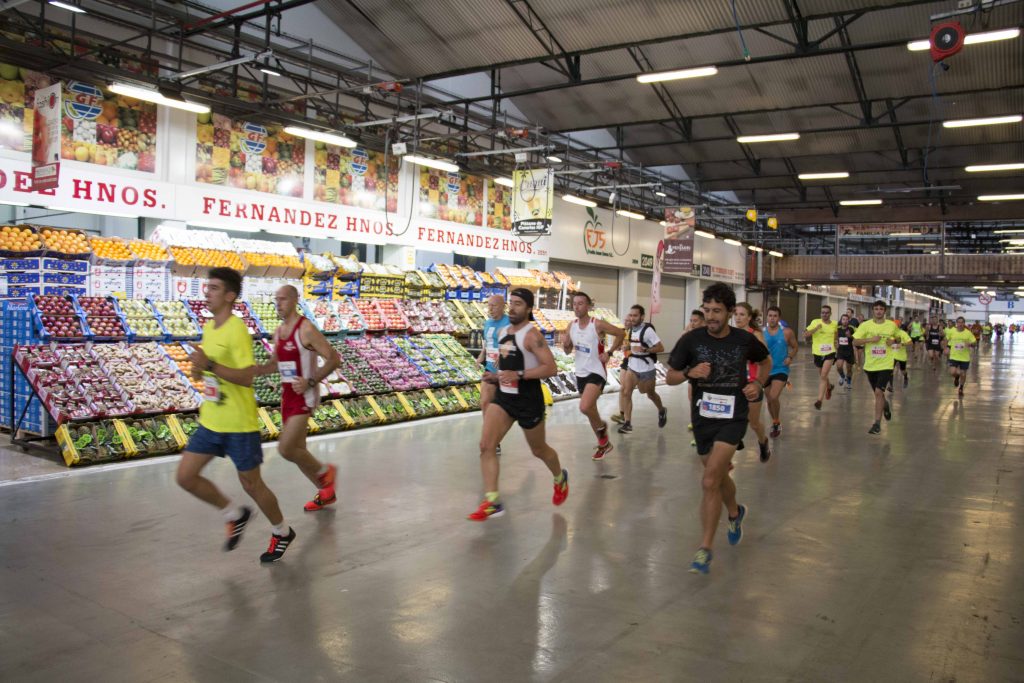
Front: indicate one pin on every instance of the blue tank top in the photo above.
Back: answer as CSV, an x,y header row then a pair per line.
x,y
778,349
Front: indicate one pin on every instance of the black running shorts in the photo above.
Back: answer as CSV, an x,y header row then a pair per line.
x,y
528,414
778,377
819,361
879,379
592,378
707,431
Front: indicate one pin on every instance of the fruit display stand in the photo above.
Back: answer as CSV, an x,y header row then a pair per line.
x,y
202,314
270,259
318,277
142,320
103,318
427,316
381,282
177,319
57,318
338,317
264,310
94,442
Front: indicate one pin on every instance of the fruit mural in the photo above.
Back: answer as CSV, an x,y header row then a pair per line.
x,y
248,156
355,177
97,126
456,197
499,207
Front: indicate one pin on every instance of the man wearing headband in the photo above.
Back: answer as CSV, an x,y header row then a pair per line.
x,y
524,359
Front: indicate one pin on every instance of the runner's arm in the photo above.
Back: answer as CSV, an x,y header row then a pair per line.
x,y
241,376
567,340
617,332
270,366
546,366
309,336
791,342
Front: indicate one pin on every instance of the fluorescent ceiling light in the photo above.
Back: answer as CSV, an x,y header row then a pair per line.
x,y
321,136
153,96
986,168
214,226
630,214
270,72
439,164
774,137
70,8
991,292
1000,197
507,182
823,176
659,76
904,234
918,244
735,243
1007,232
860,202
933,252
989,121
573,199
751,247
1012,241
972,39
66,209
553,159
660,193
704,234
776,254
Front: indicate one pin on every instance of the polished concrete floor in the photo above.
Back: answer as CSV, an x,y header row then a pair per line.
x,y
866,558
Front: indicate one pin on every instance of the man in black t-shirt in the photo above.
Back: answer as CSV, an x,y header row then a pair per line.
x,y
714,358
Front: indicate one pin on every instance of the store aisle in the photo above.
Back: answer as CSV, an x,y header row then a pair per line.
x,y
865,558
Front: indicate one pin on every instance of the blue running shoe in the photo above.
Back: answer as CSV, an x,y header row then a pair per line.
x,y
701,562
735,533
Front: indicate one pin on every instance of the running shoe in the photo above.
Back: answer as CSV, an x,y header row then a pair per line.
x,y
875,428
690,427
735,533
604,449
326,480
618,417
278,544
960,391
236,528
486,510
662,417
766,450
320,501
887,411
828,391
625,428
701,562
956,380
776,430
561,490
817,405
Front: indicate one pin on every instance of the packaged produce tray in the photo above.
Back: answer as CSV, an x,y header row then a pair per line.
x,y
94,442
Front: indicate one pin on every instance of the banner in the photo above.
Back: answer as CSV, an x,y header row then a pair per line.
x,y
249,156
886,229
680,223
46,138
455,197
656,281
499,206
533,201
355,177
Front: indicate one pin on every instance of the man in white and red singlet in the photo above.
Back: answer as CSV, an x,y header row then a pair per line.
x,y
304,358
586,338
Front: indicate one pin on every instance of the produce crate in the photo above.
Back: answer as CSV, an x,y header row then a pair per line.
x,y
53,252
94,442
71,311
28,252
186,423
328,418
270,423
153,435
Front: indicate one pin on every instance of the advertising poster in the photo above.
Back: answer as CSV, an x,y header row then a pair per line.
x,y
249,156
456,197
533,201
499,206
46,138
680,222
355,177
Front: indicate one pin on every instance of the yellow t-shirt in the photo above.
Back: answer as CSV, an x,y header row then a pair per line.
x,y
823,341
899,351
960,345
228,407
877,355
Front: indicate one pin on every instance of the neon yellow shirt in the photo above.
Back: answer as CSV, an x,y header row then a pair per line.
x,y
916,330
228,407
899,351
960,345
877,355
823,341
949,330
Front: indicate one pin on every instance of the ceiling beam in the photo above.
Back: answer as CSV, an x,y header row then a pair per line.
x,y
682,124
560,60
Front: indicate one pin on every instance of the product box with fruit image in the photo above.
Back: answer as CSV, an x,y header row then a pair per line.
x,y
94,442
23,278
69,266
20,264
153,435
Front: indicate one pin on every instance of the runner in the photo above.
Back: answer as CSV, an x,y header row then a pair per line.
x,y
959,343
524,359
696,321
783,347
858,352
875,336
844,351
228,422
899,357
715,359
496,320
986,332
304,358
933,337
586,337
916,332
743,317
822,334
639,372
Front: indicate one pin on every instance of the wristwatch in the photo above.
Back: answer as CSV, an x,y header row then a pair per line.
x,y
521,373
310,382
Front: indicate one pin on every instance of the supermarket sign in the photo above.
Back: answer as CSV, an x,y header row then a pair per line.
x,y
113,192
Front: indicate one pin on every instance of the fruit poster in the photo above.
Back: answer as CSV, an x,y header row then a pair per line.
x,y
249,156
456,197
533,201
46,138
676,250
499,206
355,177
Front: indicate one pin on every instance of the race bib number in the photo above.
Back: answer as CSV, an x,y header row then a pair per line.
x,y
509,386
844,341
959,346
717,406
211,388
636,348
492,357
896,347
878,351
287,370
824,349
583,348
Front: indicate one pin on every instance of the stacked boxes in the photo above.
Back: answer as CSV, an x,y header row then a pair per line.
x,y
26,277
16,328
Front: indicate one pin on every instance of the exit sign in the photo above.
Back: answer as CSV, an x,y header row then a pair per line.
x,y
646,261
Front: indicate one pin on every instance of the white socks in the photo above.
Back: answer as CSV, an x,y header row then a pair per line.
x,y
281,529
232,512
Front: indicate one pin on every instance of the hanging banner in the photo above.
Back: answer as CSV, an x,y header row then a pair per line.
x,y
46,138
533,201
355,177
455,197
680,222
656,281
886,229
499,206
249,156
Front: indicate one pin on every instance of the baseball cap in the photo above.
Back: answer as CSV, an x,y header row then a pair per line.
x,y
524,294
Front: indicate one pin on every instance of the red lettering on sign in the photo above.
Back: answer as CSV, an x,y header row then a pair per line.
x,y
208,203
225,208
129,196
149,196
82,189
105,192
274,216
242,211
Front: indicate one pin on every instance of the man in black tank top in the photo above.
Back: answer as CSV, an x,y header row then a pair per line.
x,y
933,336
524,360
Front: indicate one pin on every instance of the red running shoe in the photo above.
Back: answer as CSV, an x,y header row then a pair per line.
x,y
486,510
602,450
326,480
321,500
561,490
828,391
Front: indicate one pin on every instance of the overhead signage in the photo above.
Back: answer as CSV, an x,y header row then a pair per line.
x,y
595,238
677,249
984,298
533,201
646,261
887,229
46,138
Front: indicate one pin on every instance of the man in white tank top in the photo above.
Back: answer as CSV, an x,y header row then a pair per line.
x,y
586,339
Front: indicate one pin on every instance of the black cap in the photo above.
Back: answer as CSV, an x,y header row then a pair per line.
x,y
524,294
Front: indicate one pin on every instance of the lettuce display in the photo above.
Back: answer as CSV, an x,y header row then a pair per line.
x,y
91,443
392,408
328,418
152,435
421,404
471,394
360,411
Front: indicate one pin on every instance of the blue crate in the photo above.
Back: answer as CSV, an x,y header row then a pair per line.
x,y
63,290
75,279
19,264
23,292
23,278
65,266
